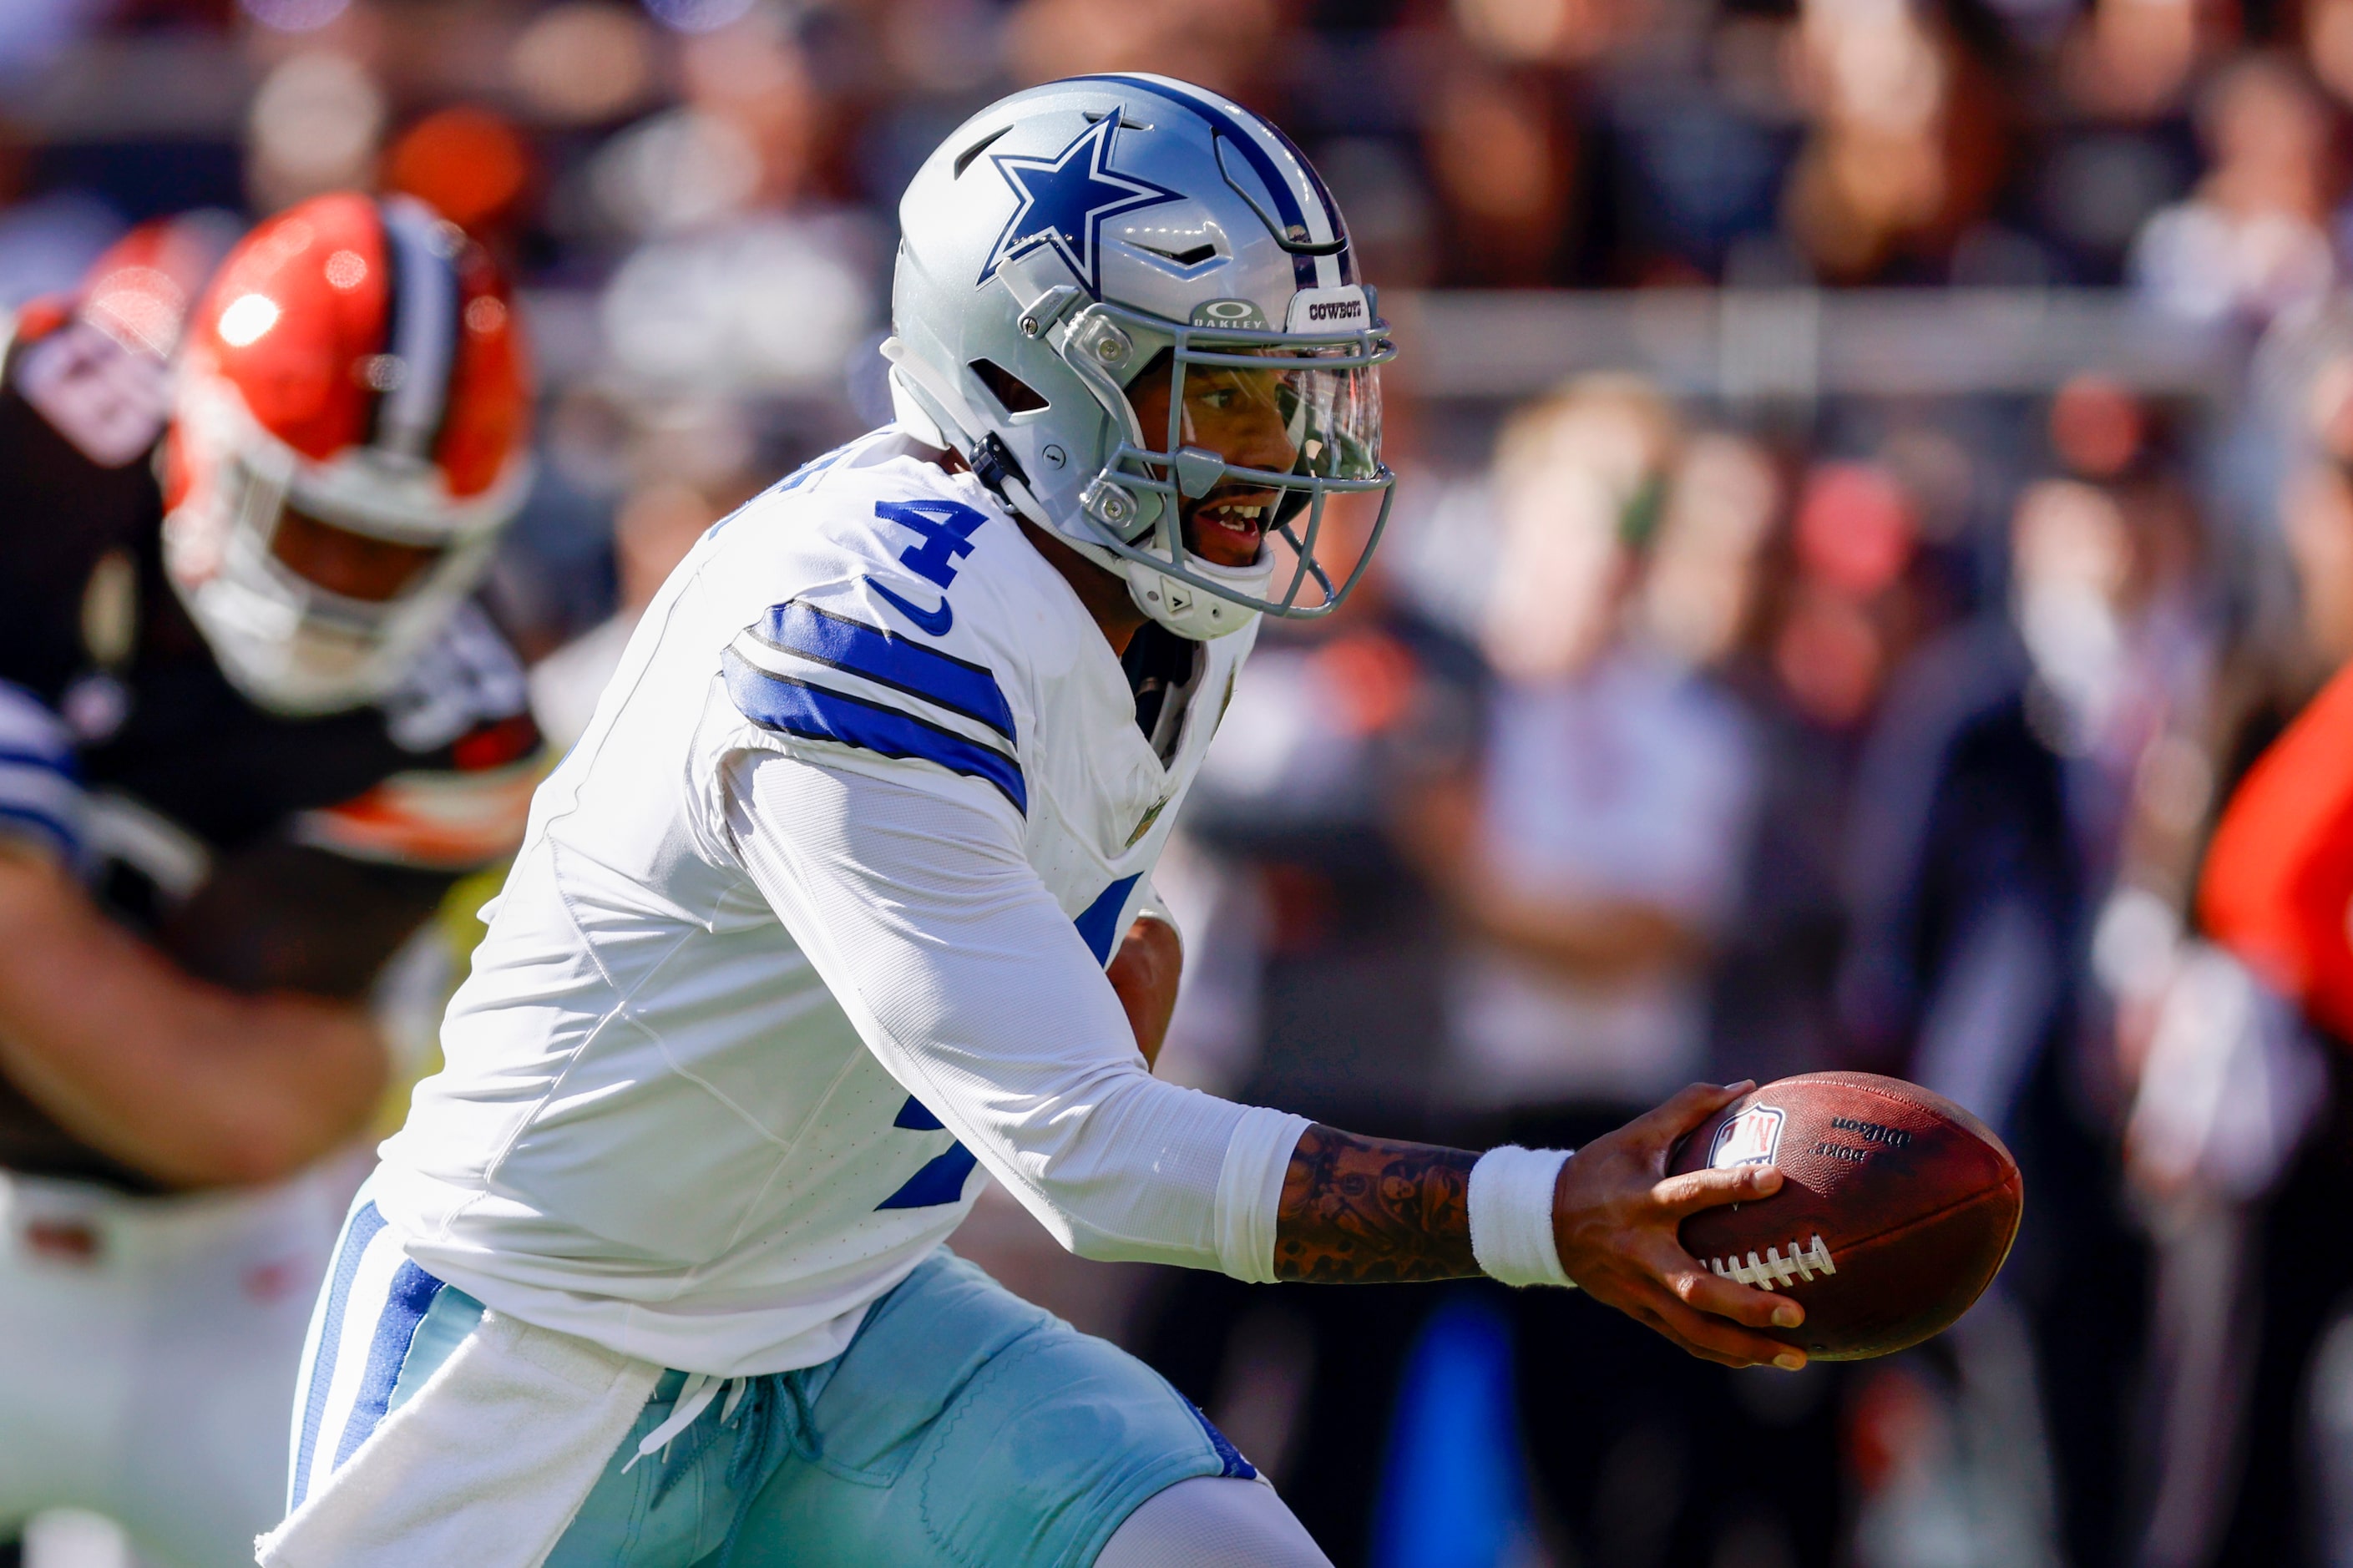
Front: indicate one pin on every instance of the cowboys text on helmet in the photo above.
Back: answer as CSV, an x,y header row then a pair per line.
x,y
1130,305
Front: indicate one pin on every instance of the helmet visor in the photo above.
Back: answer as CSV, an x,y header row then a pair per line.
x,y
1246,436
1280,410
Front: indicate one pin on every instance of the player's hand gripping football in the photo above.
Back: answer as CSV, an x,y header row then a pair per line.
x,y
1615,1215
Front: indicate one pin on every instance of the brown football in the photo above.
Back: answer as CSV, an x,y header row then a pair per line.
x,y
1895,1211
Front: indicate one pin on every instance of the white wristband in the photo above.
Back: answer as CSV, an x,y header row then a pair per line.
x,y
1510,1215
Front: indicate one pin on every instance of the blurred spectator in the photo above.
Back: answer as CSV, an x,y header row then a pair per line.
x,y
1834,607
2254,240
1597,850
1592,854
584,62
740,281
315,126
1227,45
2318,517
1854,535
2131,59
2238,1136
1994,806
1495,151
1902,158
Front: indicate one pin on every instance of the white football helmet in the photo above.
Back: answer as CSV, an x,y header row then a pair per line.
x,y
1069,246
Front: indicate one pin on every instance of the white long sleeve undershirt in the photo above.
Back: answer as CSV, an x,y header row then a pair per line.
x,y
974,990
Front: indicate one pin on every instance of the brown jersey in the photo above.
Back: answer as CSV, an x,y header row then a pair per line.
x,y
261,851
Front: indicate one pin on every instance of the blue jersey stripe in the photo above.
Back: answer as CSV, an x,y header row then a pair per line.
x,y
941,1181
1236,1467
411,1292
64,764
796,708
1286,201
916,1117
33,817
1098,923
895,661
365,1223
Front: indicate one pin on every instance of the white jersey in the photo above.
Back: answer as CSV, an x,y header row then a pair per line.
x,y
812,918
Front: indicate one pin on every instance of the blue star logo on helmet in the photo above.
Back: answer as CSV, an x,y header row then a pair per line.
x,y
1066,198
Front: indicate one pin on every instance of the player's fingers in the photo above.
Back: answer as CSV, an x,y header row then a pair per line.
x,y
1654,1320
1679,1196
1659,1315
1718,1339
1689,1281
1663,1124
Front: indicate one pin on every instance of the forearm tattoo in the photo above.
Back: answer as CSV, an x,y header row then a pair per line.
x,y
1367,1211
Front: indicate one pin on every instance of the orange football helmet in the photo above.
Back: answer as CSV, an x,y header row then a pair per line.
x,y
350,434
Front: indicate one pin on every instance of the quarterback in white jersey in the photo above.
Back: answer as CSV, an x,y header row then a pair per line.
x,y
813,987
811,929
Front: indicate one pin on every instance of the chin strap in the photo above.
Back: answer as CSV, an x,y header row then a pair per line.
x,y
994,466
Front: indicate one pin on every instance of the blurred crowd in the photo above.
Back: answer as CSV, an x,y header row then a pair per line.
x,y
1670,738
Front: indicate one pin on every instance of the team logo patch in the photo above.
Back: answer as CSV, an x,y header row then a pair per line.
x,y
1065,199
1751,1137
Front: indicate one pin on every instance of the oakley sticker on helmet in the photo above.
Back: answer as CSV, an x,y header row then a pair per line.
x,y
1751,1137
1066,198
1243,314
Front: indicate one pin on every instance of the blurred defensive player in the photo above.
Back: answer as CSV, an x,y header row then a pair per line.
x,y
252,727
816,918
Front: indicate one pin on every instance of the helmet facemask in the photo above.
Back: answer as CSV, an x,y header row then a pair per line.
x,y
293,643
1286,420
1254,419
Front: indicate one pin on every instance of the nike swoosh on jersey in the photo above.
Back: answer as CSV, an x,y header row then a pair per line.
x,y
894,661
932,623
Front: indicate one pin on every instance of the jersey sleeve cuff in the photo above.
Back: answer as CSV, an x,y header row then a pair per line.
x,y
1249,1192
1510,1215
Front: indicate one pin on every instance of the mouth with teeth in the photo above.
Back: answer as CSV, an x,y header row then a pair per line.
x,y
1228,526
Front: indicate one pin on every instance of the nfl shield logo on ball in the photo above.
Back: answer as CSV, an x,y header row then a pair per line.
x,y
1751,1137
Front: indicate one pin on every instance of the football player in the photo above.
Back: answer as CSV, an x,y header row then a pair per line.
x,y
815,919
251,728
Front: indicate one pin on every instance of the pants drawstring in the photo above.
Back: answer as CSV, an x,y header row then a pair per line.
x,y
768,1416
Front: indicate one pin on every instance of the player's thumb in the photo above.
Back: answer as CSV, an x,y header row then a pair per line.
x,y
1659,1127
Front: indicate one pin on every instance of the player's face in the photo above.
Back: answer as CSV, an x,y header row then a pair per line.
x,y
1239,415
354,566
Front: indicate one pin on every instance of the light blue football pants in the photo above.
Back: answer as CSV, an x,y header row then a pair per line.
x,y
961,1426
